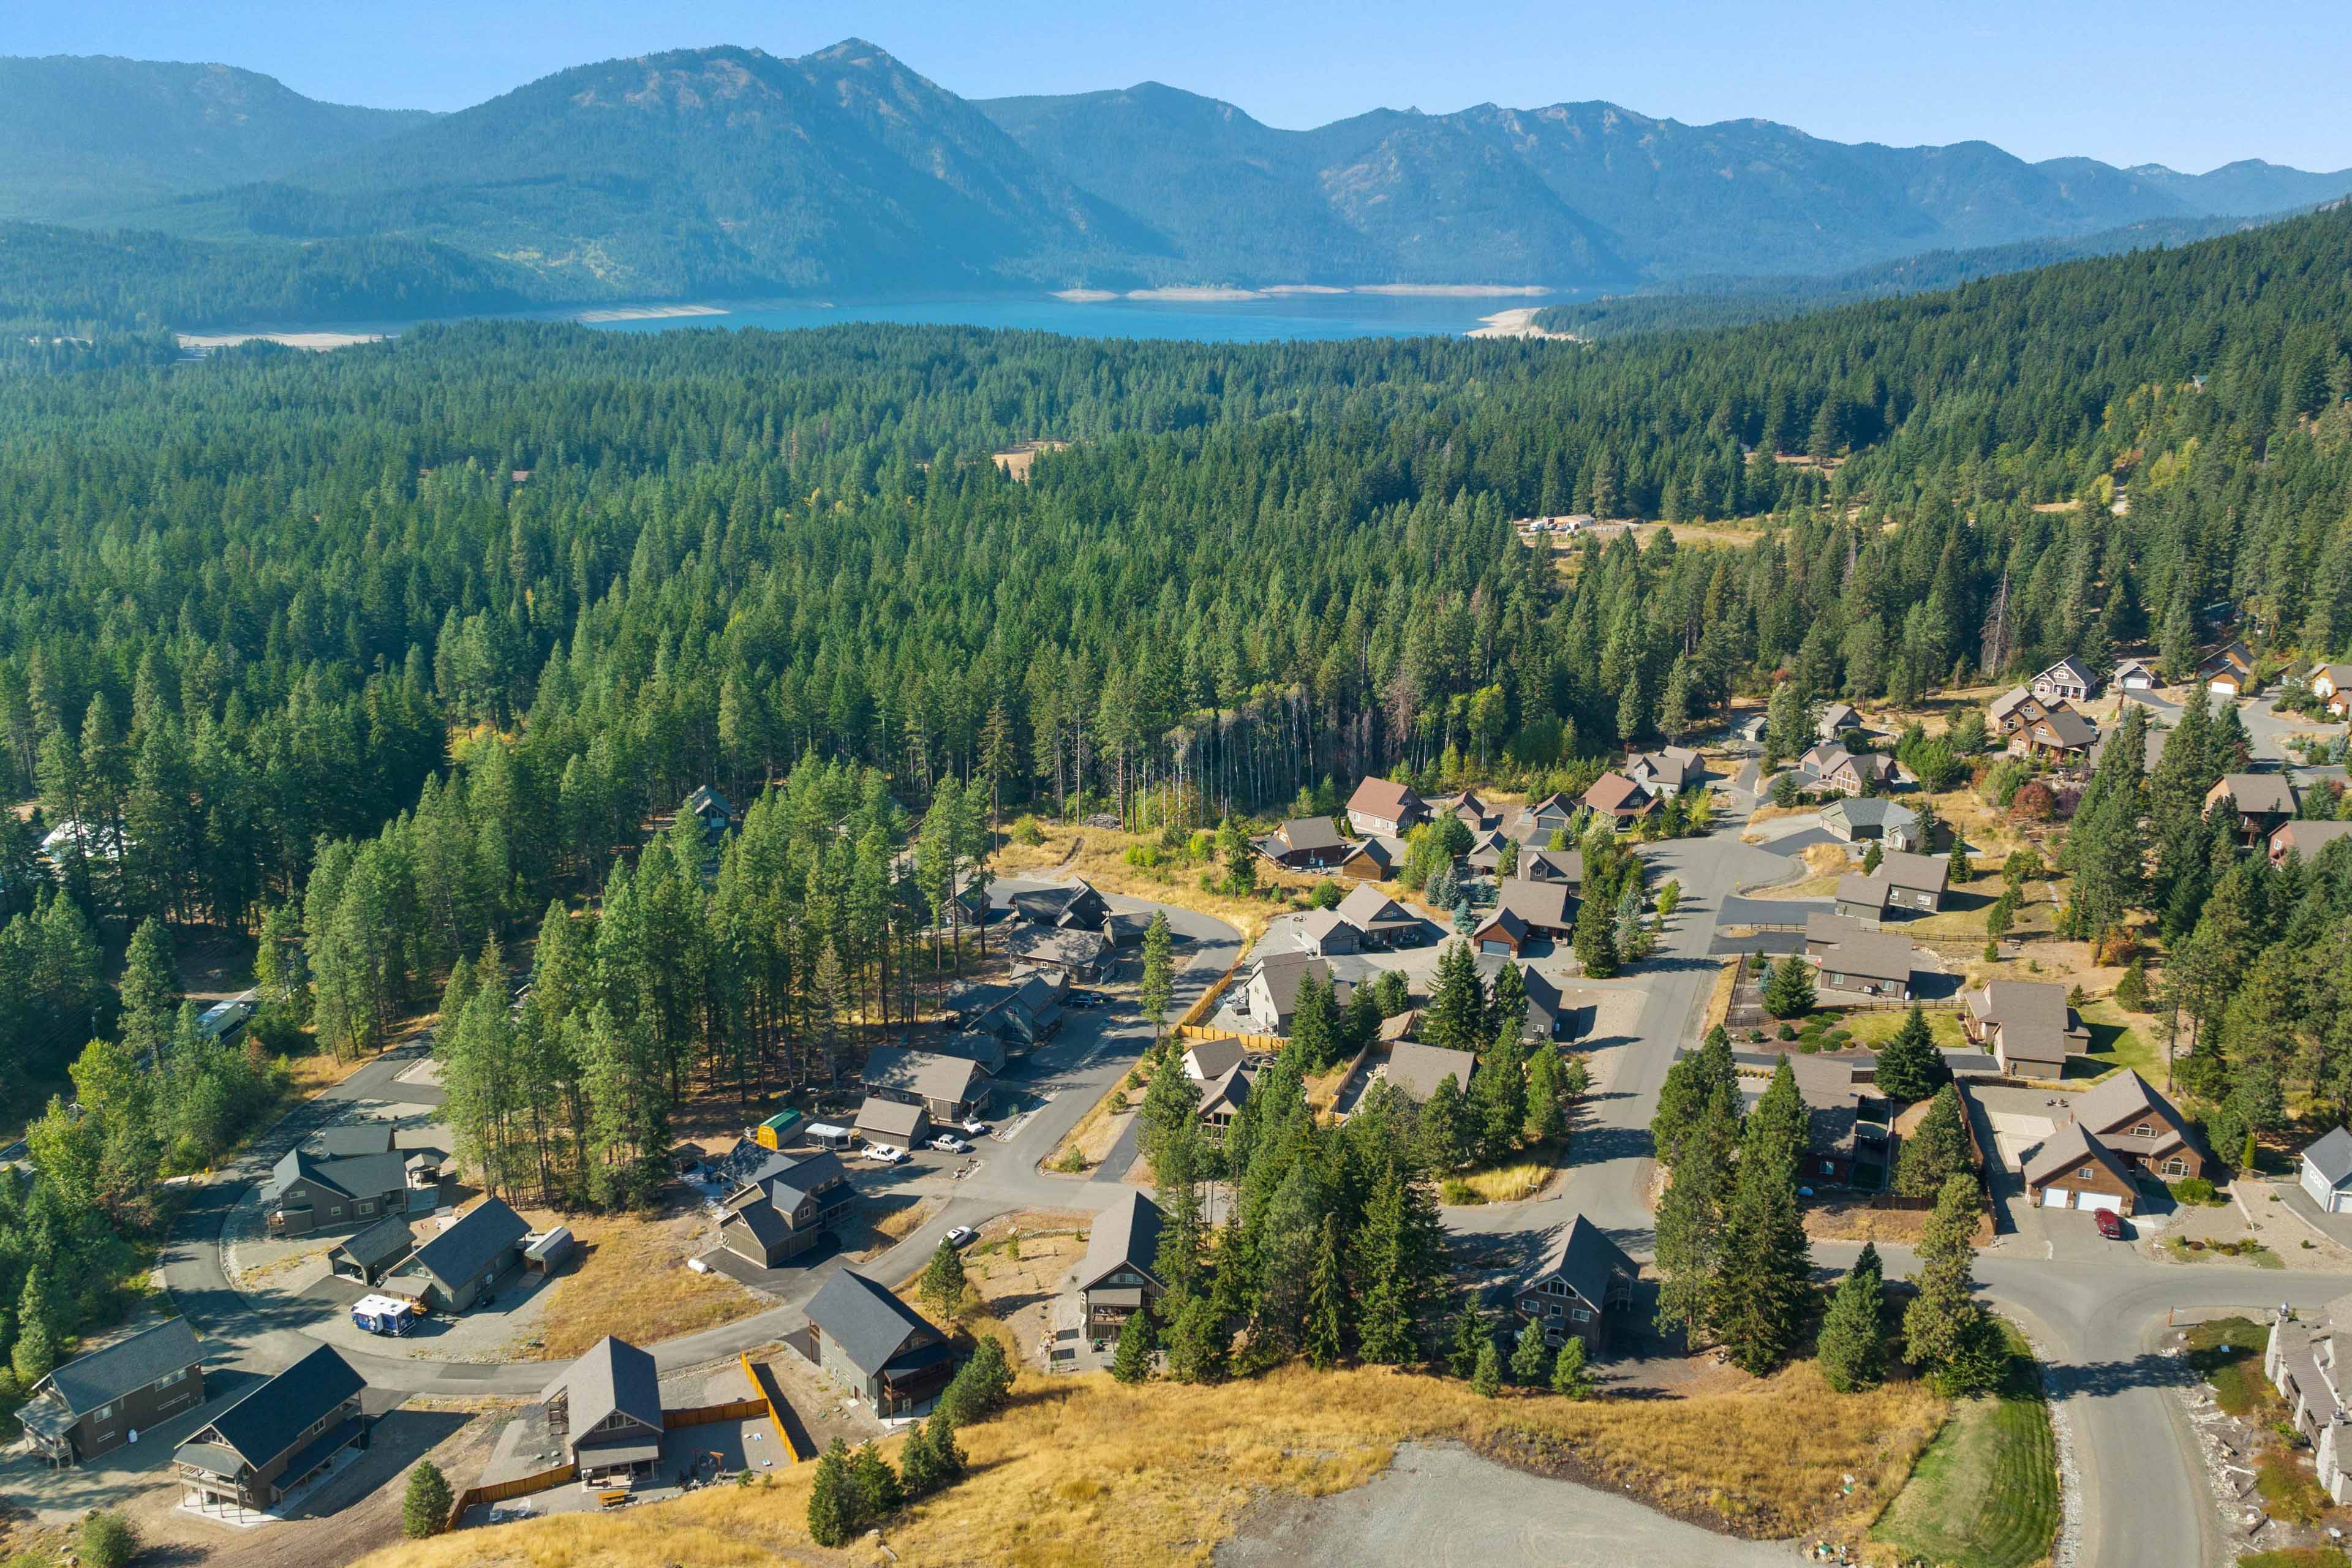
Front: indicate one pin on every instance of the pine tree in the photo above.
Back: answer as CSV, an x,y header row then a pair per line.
x,y
1132,1361
1944,1328
832,1516
1689,1230
1936,1151
1691,1086
945,1450
425,1508
875,1484
1595,941
1158,987
1456,1018
1852,1339
1763,1286
151,991
980,1386
1197,1341
1315,1022
1486,1378
1498,1100
1873,859
1548,1096
943,1281
1507,1016
1531,1358
1789,992
1570,1378
1778,1128
1468,1334
1442,1137
1325,1337
1963,870
920,1470
1400,1250
35,1353
1910,1067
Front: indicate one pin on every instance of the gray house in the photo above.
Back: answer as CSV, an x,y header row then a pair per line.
x,y
94,1402
275,1438
309,1193
1582,1276
1119,1275
464,1262
607,1411
893,1121
877,1347
951,1087
369,1256
784,1208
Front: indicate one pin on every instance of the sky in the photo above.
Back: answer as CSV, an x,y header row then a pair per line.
x,y
2189,85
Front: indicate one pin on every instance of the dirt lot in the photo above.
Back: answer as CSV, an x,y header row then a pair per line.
x,y
630,1278
1016,1268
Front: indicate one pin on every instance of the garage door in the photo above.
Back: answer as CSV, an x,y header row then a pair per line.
x,y
2098,1201
2053,1198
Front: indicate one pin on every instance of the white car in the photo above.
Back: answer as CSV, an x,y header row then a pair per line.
x,y
974,1128
885,1154
961,1236
948,1143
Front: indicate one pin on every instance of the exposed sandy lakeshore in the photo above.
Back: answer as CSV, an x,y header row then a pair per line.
x,y
648,313
1216,294
1518,322
315,342
1459,290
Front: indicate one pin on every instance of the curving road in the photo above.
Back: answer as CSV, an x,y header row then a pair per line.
x,y
2094,1311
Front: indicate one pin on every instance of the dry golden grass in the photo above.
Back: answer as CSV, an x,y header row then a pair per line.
x,y
1101,860
890,1223
1508,1183
1083,1471
631,1281
1719,1001
1089,1142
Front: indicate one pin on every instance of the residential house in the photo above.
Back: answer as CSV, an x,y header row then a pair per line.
x,y
2061,737
1504,933
1548,1015
2305,839
1861,898
1563,867
1525,910
1855,772
1379,920
894,1122
1824,932
465,1263
2143,1127
93,1403
1488,850
1222,1099
1619,799
877,1347
606,1410
2008,714
309,1193
1417,1069
1539,819
2229,671
2135,675
2026,1024
1752,729
1375,858
1858,820
284,1433
2153,747
952,1088
785,1208
1582,1277
985,1050
713,811
1119,1275
1076,951
1904,882
369,1256
2068,680
2327,1171
1668,771
2264,801
1077,906
1470,809
1322,932
1838,1132
1837,719
2072,1169
2332,684
1305,844
1270,997
1021,1014
1866,963
1384,807
1211,1059
2306,1362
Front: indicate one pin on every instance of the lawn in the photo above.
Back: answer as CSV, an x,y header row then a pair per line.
x,y
2228,1354
2297,1557
1876,1026
1985,1494
2116,1043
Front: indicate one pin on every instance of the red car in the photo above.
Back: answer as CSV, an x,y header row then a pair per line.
x,y
2110,1224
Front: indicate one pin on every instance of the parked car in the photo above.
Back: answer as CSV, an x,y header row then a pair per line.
x,y
948,1143
884,1153
973,1127
961,1236
2110,1224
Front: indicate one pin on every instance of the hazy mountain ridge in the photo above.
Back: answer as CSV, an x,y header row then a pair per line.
x,y
728,171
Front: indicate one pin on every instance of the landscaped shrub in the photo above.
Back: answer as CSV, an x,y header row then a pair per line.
x,y
2194,1190
1026,831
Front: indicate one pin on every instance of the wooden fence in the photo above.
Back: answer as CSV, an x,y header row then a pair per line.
x,y
500,1491
771,1400
1206,1003
1267,1043
704,1414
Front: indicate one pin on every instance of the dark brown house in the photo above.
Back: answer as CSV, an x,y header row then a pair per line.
x,y
1583,1278
93,1403
1120,1276
2075,1170
281,1435
2143,1128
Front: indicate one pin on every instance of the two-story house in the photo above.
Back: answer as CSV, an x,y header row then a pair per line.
x,y
784,1208
875,1346
1119,1275
285,1433
1383,805
93,1403
1582,1278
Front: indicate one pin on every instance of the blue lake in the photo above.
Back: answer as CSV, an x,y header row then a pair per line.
x,y
1252,320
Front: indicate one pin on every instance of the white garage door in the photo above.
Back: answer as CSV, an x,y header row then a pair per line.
x,y
2053,1198
2098,1201
2316,1185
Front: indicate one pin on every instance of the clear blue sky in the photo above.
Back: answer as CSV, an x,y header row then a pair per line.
x,y
2191,85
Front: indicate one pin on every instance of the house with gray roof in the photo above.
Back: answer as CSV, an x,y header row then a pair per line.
x,y
2262,801
976,1045
1079,952
93,1403
1119,1275
1871,819
2074,1168
1323,931
1869,962
951,1087
2068,680
466,1261
1270,997
2305,839
1222,1099
785,1208
1374,857
2327,1171
605,1409
283,1433
1564,867
876,1347
1417,1069
2027,1024
1077,905
893,1121
1582,1277
368,1256
309,1193
1669,769
1305,844
1380,919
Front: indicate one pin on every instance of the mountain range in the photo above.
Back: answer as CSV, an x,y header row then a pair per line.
x,y
730,172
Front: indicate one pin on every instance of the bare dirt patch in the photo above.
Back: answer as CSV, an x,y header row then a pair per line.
x,y
631,1279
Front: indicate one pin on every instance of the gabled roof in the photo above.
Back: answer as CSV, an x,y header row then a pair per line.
x,y
1231,1087
1316,926
1369,910
1919,873
1556,804
272,1418
1505,922
1304,834
471,1246
1823,926
127,1365
1673,766
1583,1255
2010,702
2124,1097
1545,1002
708,802
1838,718
1215,1057
1872,955
2070,667
1870,811
1854,888
1614,792
388,1240
2307,838
361,1176
788,1184
2067,1150
1541,905
1073,946
1567,866
925,1073
2228,655
1283,973
613,1378
1383,850
1124,1235
866,1321
890,1118
1384,798
353,1139
2068,728
2331,1156
2257,795
1823,760
1417,1069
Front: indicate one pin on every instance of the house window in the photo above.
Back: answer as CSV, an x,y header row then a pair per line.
x,y
104,1413
1580,1315
2144,1130
367,1206
2175,1166
1551,1309
2083,1175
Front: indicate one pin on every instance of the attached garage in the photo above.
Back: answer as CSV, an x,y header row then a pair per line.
x,y
2056,1197
2327,1172
2107,1201
2075,1170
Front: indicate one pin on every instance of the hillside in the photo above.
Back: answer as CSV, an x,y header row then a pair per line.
x,y
85,139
